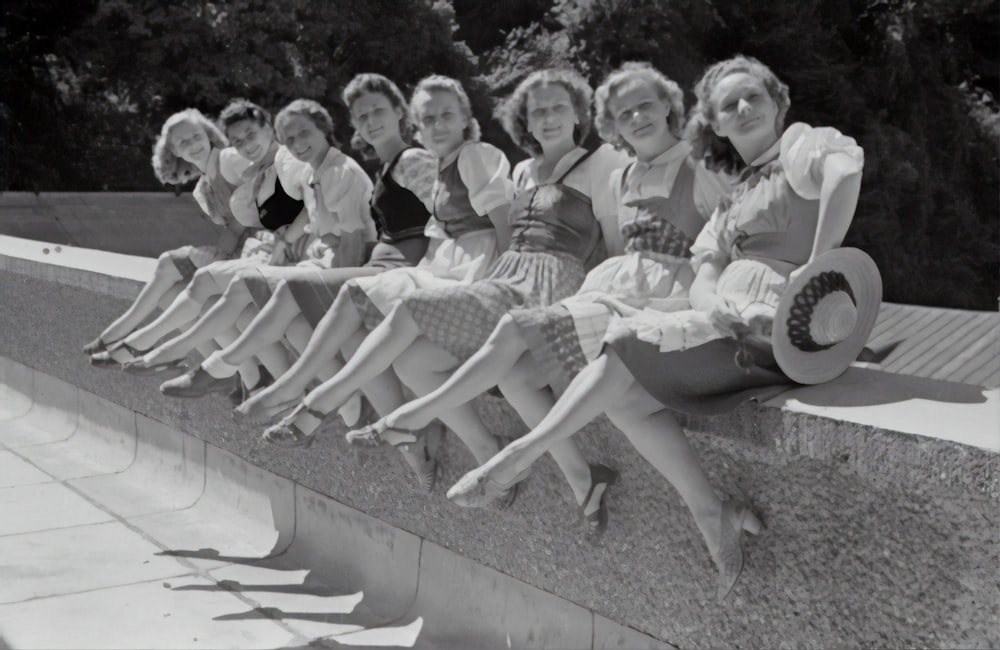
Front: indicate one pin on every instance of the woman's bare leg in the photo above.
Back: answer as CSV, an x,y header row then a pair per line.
x,y
336,327
526,390
166,279
492,364
483,370
265,329
235,305
373,357
592,392
181,311
656,434
424,367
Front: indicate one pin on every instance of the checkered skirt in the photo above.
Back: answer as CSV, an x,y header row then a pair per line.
x,y
459,319
565,337
448,263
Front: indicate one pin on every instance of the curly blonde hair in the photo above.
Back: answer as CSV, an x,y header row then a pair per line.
x,y
513,113
718,153
437,82
667,90
167,165
311,110
369,82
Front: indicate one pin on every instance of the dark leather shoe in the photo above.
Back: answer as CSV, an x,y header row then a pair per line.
x,y
196,383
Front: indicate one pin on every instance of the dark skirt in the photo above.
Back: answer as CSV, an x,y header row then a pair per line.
x,y
315,289
702,380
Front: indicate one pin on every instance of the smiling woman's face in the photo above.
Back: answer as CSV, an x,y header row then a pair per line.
x,y
640,116
375,118
551,116
190,142
304,139
250,139
441,121
744,112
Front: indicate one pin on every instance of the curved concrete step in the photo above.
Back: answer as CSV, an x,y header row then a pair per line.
x,y
16,390
129,515
51,417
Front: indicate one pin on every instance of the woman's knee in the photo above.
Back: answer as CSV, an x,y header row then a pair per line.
x,y
524,374
165,263
237,287
202,285
635,403
410,366
507,335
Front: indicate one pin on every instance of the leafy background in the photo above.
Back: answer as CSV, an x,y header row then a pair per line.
x,y
86,85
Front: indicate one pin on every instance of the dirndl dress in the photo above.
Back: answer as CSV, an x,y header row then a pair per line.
x,y
554,231
472,182
400,210
662,206
270,200
223,174
763,234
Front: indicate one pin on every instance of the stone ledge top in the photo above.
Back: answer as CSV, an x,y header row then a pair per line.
x,y
863,396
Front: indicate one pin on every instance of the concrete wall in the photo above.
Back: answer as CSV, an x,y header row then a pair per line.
x,y
874,538
134,223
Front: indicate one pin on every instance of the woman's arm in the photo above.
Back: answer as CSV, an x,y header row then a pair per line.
x,y
500,218
350,250
292,233
229,238
837,202
613,241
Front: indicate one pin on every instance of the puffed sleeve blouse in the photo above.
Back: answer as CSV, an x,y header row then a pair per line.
x,y
416,171
341,196
767,229
485,172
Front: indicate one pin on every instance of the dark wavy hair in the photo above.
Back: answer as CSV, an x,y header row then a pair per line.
x,y
513,113
667,90
437,82
311,110
167,165
241,109
719,153
369,82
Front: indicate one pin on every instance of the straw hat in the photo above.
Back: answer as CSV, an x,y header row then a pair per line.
x,y
826,315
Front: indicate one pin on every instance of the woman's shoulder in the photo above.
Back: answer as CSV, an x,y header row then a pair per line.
x,y
480,164
800,140
481,153
232,165
340,169
415,158
804,150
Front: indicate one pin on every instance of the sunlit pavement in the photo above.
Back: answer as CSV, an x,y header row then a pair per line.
x,y
99,551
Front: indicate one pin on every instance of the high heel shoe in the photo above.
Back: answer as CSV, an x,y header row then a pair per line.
x,y
597,520
196,383
137,366
427,472
477,489
288,434
381,435
259,411
95,346
736,518
106,358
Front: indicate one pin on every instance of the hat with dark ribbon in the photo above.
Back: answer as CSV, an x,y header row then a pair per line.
x,y
826,315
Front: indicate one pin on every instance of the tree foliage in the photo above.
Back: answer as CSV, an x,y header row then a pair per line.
x,y
89,82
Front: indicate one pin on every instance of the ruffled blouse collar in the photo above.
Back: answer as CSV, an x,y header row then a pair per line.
x,y
641,182
331,158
